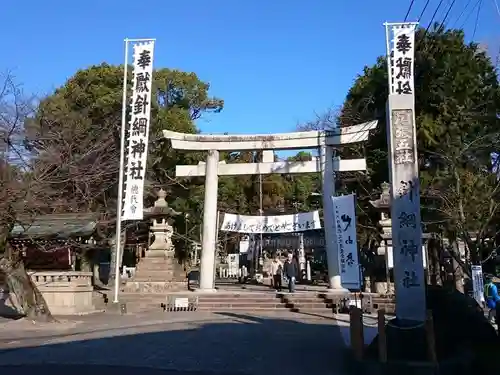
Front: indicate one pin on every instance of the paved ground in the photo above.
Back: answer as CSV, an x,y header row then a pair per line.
x,y
232,343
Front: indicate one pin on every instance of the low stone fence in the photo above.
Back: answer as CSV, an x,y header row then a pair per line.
x,y
66,292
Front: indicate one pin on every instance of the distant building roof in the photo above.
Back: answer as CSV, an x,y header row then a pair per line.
x,y
57,225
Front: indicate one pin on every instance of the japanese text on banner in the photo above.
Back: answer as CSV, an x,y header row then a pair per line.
x,y
403,56
271,224
347,247
137,152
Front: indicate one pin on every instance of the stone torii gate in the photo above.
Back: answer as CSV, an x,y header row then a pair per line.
x,y
326,164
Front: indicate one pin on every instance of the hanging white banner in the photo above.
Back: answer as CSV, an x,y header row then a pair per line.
x,y
402,58
271,224
137,150
345,227
478,283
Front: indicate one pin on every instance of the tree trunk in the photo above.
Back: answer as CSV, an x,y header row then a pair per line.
x,y
458,274
434,266
29,298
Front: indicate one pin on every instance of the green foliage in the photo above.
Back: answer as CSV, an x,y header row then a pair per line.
x,y
457,101
76,135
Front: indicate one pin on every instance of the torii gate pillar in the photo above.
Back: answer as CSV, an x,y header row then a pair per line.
x,y
328,182
209,236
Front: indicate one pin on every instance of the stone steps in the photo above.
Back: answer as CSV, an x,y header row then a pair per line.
x,y
241,302
309,303
157,260
156,266
158,276
221,301
238,300
244,296
226,308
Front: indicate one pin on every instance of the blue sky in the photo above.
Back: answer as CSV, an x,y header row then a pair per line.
x,y
275,63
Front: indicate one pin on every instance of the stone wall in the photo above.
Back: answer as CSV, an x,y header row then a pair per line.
x,y
66,293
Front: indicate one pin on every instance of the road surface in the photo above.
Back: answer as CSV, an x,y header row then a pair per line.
x,y
205,343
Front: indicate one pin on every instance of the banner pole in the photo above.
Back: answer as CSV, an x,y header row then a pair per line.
x,y
120,177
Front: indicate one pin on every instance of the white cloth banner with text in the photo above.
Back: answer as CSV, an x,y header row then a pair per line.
x,y
137,150
347,246
271,224
477,283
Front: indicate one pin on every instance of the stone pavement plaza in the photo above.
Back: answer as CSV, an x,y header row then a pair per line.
x,y
229,343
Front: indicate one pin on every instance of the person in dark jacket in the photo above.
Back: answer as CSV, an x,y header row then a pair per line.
x,y
290,270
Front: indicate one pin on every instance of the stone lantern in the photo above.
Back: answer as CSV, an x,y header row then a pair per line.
x,y
158,271
161,230
383,204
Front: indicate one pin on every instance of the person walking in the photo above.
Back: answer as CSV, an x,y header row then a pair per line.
x,y
290,271
492,300
276,273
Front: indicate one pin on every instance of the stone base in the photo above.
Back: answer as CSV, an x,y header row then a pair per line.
x,y
156,253
153,286
117,308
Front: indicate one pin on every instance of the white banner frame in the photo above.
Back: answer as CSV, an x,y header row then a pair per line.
x,y
299,222
344,208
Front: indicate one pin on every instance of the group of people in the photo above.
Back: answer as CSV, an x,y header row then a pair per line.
x,y
492,300
287,271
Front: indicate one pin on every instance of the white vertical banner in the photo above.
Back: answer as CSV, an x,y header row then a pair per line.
x,y
137,150
302,253
400,58
477,283
344,209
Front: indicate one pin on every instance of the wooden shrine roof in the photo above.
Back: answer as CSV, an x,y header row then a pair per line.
x,y
57,226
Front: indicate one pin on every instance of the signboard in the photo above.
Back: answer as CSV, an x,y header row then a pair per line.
x,y
313,239
345,226
271,224
244,245
233,264
181,303
137,150
477,283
